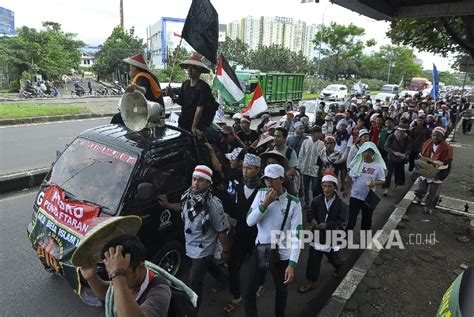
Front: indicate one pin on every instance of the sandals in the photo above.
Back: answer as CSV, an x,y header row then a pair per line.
x,y
306,287
229,308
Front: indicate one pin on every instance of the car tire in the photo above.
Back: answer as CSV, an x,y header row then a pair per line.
x,y
289,106
170,257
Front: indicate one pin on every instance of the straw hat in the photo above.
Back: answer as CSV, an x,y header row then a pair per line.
x,y
276,155
88,252
195,60
138,61
265,139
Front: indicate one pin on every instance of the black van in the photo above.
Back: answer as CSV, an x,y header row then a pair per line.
x,y
120,172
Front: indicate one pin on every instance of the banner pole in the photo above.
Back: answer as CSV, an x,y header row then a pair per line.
x,y
174,59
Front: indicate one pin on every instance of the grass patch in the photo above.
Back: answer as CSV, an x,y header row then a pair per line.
x,y
309,96
22,110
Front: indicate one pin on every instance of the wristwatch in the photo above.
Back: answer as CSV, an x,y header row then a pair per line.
x,y
116,273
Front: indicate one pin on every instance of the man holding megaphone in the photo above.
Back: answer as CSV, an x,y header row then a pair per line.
x,y
142,80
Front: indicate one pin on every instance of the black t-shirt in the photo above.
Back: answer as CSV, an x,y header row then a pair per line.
x,y
190,97
248,139
142,81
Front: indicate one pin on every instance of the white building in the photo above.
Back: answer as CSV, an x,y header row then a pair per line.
x,y
88,59
251,31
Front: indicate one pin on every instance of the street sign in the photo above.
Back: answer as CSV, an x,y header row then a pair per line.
x,y
7,22
466,64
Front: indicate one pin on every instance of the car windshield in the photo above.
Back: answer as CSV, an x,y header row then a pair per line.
x,y
332,88
388,89
310,107
94,173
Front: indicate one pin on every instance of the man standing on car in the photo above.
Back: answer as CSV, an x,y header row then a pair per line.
x,y
204,223
268,213
143,80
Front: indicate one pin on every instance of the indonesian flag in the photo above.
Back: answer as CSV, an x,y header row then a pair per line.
x,y
257,104
227,83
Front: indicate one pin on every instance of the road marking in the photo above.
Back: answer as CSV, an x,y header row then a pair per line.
x,y
52,122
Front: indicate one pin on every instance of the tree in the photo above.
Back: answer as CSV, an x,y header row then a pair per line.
x,y
119,45
179,75
49,52
435,35
275,58
235,51
340,47
391,63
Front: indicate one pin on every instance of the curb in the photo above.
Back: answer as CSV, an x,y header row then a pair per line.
x,y
356,274
21,180
4,122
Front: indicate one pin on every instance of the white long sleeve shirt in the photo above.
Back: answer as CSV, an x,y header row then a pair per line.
x,y
271,218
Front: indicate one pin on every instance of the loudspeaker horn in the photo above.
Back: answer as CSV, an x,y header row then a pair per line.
x,y
136,111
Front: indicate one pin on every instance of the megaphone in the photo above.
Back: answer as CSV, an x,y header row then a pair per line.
x,y
136,111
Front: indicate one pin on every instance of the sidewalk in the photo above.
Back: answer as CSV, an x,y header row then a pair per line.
x,y
437,247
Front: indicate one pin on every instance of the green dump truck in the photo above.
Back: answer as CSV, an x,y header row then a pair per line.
x,y
281,91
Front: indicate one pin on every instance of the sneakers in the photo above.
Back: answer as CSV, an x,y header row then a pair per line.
x,y
385,192
417,200
260,290
429,211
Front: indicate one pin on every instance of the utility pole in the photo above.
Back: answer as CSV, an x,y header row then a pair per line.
x,y
121,14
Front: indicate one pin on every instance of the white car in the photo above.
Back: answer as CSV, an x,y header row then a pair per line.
x,y
334,92
169,105
387,91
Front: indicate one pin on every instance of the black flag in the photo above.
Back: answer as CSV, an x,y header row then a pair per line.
x,y
201,29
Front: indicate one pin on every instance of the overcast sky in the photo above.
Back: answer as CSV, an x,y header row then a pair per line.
x,y
93,20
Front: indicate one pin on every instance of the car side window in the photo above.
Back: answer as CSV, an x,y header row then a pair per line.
x,y
169,173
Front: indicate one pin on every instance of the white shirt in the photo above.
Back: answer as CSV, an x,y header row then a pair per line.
x,y
370,172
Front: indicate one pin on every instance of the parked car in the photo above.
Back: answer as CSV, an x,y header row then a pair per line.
x,y
116,172
169,105
387,91
334,92
409,93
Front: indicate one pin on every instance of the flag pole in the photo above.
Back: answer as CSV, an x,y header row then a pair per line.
x,y
174,59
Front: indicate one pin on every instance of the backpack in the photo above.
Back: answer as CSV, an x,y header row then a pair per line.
x,y
180,305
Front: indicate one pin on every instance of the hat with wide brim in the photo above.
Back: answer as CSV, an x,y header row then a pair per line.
x,y
281,159
138,61
265,139
88,252
195,60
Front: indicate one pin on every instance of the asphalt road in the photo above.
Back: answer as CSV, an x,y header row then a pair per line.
x,y
24,147
27,290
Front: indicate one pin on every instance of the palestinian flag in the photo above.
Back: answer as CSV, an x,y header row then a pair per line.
x,y
257,105
227,83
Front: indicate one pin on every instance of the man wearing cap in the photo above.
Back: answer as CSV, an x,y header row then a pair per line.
x,y
435,149
268,211
236,125
247,135
398,148
308,163
234,176
419,134
328,212
142,80
244,238
229,141
197,103
328,126
204,223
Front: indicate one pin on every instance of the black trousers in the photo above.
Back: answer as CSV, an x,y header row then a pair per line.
x,y
313,266
355,205
397,168
411,160
199,267
281,290
239,250
466,125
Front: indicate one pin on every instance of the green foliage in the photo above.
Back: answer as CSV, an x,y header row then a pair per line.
x,y
341,48
235,50
119,45
275,58
26,110
435,35
49,52
179,74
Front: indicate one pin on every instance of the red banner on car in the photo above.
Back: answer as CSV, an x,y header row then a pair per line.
x,y
73,214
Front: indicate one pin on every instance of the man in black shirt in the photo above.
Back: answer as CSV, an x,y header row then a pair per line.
x,y
246,135
195,98
142,80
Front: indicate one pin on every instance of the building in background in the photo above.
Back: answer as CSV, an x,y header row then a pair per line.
x,y
294,35
88,59
164,36
7,22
